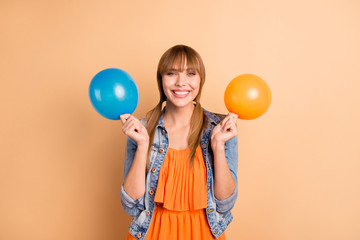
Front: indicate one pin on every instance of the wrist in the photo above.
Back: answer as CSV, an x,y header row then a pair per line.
x,y
143,145
217,146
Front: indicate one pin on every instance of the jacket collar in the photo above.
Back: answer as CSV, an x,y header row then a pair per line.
x,y
161,120
212,117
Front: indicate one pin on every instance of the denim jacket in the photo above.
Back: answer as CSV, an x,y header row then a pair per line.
x,y
217,211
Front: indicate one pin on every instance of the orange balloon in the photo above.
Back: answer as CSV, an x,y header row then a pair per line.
x,y
248,96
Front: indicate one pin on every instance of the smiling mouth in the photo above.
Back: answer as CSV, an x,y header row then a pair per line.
x,y
180,94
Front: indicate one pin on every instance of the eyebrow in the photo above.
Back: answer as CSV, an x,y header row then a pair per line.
x,y
187,70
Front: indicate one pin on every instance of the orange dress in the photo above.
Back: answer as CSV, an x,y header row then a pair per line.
x,y
181,200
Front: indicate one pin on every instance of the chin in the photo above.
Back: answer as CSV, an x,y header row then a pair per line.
x,y
180,104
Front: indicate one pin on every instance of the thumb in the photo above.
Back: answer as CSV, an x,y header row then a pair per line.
x,y
234,116
124,117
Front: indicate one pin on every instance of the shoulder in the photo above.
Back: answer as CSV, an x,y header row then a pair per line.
x,y
214,117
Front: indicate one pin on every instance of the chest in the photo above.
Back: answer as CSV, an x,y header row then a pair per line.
x,y
178,137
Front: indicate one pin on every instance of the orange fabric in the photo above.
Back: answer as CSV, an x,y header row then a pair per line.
x,y
180,199
181,188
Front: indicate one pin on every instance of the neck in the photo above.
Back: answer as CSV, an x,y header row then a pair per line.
x,y
178,117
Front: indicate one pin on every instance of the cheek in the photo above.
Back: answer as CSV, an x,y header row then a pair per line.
x,y
195,85
165,85
196,92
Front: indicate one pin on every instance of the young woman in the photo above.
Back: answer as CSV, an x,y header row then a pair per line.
x,y
180,174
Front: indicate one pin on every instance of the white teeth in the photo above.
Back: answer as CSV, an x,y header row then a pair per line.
x,y
181,93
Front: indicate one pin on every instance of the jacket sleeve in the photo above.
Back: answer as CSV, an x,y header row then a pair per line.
x,y
231,155
131,206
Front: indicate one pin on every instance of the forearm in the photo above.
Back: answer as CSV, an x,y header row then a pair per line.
x,y
134,183
224,183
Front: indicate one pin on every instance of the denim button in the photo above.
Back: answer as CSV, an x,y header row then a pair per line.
x,y
210,210
153,169
139,235
161,150
151,192
163,131
147,213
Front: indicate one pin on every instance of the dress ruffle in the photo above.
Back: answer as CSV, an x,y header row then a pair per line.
x,y
181,188
181,200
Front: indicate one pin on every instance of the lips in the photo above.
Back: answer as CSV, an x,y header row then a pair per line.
x,y
180,94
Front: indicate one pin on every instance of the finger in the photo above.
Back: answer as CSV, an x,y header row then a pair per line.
x,y
129,119
137,126
142,129
216,129
234,116
224,120
227,127
133,125
129,125
124,117
230,126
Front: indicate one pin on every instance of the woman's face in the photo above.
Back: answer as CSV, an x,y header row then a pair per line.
x,y
181,88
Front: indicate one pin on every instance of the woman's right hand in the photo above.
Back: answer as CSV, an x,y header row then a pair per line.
x,y
133,128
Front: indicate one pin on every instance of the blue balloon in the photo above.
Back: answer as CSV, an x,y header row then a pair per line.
x,y
113,92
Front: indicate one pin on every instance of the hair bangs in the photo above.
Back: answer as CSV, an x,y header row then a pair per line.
x,y
180,60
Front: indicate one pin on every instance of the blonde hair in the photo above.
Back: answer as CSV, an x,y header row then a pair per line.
x,y
175,58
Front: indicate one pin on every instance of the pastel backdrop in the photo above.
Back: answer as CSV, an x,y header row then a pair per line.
x,y
61,163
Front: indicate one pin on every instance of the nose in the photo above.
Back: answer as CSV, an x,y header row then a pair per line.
x,y
181,79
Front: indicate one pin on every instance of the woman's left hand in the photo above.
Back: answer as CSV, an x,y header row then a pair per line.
x,y
224,131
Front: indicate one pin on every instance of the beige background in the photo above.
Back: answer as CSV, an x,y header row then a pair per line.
x,y
62,163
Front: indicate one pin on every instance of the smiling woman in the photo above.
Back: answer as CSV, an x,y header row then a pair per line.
x,y
180,88
181,160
